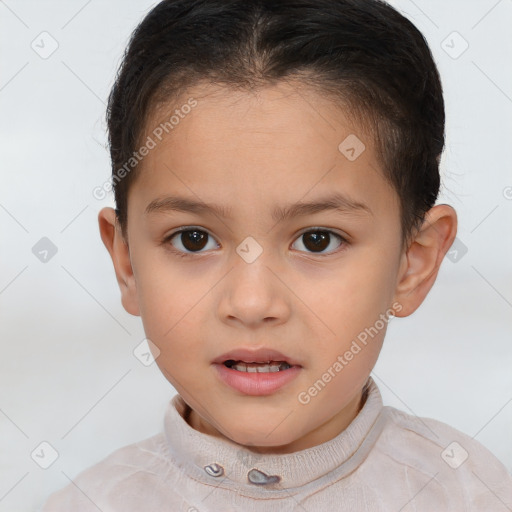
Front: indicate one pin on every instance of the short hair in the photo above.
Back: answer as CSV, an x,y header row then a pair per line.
x,y
362,53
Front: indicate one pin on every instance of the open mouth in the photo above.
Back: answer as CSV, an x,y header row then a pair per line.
x,y
259,372
268,367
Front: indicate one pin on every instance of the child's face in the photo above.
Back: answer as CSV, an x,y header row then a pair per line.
x,y
252,154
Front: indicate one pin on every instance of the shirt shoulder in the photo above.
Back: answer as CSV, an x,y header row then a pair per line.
x,y
118,482
445,460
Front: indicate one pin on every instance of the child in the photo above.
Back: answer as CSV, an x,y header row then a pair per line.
x,y
275,169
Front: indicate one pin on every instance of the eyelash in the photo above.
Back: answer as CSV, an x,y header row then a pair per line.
x,y
166,241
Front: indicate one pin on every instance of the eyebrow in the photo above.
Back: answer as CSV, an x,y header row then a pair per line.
x,y
337,202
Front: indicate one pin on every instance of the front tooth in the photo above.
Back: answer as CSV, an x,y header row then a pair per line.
x,y
268,368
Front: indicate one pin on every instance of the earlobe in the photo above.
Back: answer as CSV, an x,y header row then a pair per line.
x,y
118,249
422,260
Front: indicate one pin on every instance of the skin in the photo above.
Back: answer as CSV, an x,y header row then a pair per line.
x,y
251,152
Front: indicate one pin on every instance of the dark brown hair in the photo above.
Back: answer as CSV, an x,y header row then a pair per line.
x,y
362,52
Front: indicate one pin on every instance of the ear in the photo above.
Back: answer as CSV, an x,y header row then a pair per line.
x,y
421,262
117,246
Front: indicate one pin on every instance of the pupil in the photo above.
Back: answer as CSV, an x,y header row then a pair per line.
x,y
193,240
319,240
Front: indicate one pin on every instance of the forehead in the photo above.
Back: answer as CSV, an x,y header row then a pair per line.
x,y
280,143
268,115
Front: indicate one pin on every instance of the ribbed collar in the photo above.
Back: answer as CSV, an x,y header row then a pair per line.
x,y
195,452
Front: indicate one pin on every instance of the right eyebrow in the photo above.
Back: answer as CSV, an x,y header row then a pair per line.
x,y
183,204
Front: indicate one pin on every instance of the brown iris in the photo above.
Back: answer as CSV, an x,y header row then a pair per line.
x,y
194,240
316,240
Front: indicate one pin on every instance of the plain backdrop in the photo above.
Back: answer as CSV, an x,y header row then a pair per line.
x,y
68,375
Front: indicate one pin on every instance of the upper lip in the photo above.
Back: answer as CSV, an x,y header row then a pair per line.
x,y
261,355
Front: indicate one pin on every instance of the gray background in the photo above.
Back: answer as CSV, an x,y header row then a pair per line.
x,y
68,375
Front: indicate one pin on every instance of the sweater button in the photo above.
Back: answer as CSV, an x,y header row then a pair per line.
x,y
214,470
257,477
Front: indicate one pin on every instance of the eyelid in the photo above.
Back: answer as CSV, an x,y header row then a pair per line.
x,y
187,228
344,240
167,238
323,228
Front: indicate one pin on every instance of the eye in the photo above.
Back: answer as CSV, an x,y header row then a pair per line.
x,y
317,240
190,240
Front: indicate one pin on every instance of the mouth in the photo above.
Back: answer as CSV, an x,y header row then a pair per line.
x,y
257,372
257,367
261,360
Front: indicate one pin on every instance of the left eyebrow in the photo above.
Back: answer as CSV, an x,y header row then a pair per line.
x,y
338,202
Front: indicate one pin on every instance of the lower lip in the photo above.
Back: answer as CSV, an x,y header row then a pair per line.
x,y
254,383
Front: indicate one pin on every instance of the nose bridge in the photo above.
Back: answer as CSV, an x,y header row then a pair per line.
x,y
252,293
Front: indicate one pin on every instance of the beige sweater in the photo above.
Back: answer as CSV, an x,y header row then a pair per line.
x,y
386,460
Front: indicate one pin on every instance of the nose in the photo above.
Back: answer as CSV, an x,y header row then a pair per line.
x,y
252,295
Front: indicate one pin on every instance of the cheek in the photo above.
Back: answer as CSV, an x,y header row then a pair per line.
x,y
362,288
165,291
352,303
168,303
